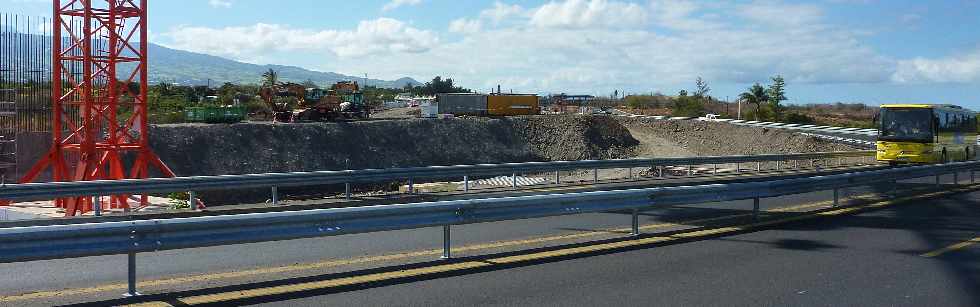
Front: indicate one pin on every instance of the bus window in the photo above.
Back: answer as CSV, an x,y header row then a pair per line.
x,y
912,124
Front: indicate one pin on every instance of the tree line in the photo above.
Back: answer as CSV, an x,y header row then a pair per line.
x,y
167,101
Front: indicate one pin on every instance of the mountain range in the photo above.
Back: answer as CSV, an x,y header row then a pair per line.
x,y
191,68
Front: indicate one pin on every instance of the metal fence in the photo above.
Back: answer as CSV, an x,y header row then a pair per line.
x,y
25,72
140,236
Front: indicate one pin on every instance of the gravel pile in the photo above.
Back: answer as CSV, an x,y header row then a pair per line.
x,y
570,138
197,149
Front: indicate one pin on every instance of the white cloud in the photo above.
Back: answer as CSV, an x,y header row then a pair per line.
x,y
595,46
464,25
379,36
500,12
772,12
589,14
955,69
394,4
678,14
220,3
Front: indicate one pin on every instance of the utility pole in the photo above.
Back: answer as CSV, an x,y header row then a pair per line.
x,y
740,109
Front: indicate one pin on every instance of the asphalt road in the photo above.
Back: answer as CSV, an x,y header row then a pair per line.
x,y
873,258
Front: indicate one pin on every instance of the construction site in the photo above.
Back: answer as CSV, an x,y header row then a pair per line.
x,y
222,181
99,125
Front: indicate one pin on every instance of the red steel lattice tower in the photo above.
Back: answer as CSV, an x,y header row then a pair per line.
x,y
99,97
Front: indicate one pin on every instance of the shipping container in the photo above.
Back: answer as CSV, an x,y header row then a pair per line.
x,y
216,114
512,104
462,104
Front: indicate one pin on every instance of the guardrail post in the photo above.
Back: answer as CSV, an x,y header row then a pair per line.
x,y
513,181
630,174
466,183
97,205
714,169
595,175
275,195
755,209
558,177
131,265
758,166
636,223
131,276
411,186
778,165
347,193
660,171
191,200
738,167
836,197
690,170
446,242
796,164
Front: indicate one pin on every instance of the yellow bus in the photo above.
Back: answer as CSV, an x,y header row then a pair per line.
x,y
925,133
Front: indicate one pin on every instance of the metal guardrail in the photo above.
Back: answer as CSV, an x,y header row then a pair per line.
x,y
46,191
132,237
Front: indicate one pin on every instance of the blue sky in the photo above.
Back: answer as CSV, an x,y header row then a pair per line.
x,y
872,51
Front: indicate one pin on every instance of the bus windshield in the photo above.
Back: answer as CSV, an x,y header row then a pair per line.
x,y
912,124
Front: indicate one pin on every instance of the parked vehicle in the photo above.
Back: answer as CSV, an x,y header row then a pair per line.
x,y
925,133
343,100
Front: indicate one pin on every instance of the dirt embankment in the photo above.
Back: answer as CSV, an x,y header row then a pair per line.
x,y
717,139
262,147
195,149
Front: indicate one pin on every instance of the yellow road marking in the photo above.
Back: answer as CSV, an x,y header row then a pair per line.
x,y
333,283
401,256
951,248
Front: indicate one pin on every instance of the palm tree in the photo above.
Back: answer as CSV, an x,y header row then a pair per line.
x,y
271,78
755,95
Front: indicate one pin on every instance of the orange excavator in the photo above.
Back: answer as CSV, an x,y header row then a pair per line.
x,y
281,111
